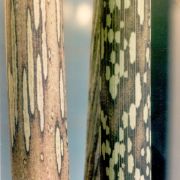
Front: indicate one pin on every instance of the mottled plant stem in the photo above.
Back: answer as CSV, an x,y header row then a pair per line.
x,y
37,94
119,128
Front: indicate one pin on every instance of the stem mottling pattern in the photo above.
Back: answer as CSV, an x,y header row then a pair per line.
x,y
119,128
36,83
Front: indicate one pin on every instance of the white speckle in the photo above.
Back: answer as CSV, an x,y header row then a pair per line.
x,y
147,134
129,145
40,100
113,57
138,90
58,149
148,155
149,101
127,4
113,86
141,11
122,150
145,77
130,163
62,100
132,47
49,54
44,46
58,15
36,13
125,119
62,147
110,36
117,36
108,148
145,113
137,175
142,177
142,152
121,174
121,134
132,116
116,69
30,63
147,54
147,171
42,157
27,130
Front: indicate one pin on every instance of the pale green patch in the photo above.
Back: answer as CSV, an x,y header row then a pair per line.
x,y
121,174
108,73
132,116
58,149
132,47
108,20
125,119
121,24
30,63
27,131
130,163
113,87
147,171
147,134
145,77
117,36
113,57
145,113
122,150
142,152
121,134
129,145
117,69
138,90
111,5
36,13
141,10
148,155
118,4
127,4
40,96
137,175
110,36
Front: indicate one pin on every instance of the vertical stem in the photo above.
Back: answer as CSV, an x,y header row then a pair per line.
x,y
37,94
119,129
